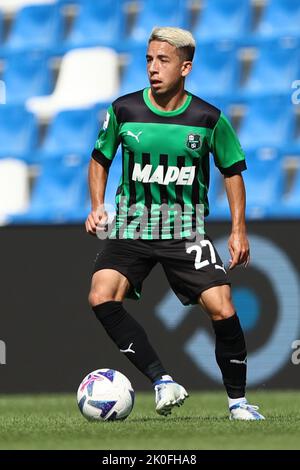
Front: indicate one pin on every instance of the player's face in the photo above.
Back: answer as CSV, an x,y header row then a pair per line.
x,y
165,66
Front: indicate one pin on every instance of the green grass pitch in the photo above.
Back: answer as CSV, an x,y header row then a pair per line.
x,y
54,422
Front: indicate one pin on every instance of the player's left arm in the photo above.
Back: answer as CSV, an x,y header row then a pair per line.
x,y
230,160
238,244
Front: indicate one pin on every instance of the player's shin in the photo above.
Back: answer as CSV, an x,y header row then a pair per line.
x,y
130,338
231,355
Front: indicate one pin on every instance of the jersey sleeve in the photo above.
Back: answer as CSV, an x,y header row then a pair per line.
x,y
107,141
227,151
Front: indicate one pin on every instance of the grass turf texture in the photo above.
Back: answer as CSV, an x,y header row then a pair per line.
x,y
54,422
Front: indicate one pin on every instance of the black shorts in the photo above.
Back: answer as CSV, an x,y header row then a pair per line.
x,y
190,268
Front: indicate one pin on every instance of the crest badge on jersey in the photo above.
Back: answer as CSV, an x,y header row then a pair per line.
x,y
193,141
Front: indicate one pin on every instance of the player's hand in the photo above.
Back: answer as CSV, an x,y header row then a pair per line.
x,y
239,249
96,221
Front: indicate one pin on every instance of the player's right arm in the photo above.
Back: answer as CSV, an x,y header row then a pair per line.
x,y
102,156
97,179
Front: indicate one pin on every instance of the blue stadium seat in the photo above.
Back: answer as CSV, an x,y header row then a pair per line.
x,y
264,186
36,27
18,132
135,73
267,122
289,206
71,131
157,13
280,18
275,68
215,70
98,23
222,19
26,74
60,191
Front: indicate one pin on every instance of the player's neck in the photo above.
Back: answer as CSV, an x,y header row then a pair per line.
x,y
168,101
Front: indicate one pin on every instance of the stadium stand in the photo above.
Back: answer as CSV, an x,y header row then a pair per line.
x,y
267,122
264,180
86,77
26,74
280,18
215,70
35,27
18,132
276,66
59,193
14,188
247,59
134,74
10,7
71,131
152,13
97,24
289,203
223,20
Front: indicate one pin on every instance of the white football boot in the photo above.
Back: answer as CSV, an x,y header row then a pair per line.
x,y
168,394
245,412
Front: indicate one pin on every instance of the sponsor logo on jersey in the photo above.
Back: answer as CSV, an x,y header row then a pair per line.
x,y
193,141
106,121
183,176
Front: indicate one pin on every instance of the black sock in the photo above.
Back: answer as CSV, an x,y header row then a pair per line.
x,y
231,355
128,334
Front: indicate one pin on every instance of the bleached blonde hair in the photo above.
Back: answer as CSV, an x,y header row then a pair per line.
x,y
182,39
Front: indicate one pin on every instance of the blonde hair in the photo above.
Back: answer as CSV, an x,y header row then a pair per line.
x,y
182,39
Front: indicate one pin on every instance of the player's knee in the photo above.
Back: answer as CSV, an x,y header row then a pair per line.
x,y
223,311
97,297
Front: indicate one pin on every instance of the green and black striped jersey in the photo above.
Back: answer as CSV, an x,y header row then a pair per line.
x,y
165,160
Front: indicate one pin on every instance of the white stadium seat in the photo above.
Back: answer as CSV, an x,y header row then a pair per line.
x,y
87,76
14,187
10,7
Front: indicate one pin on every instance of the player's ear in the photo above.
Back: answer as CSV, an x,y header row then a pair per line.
x,y
186,68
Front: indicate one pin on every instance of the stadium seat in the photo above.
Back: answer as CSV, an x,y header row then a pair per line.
x,y
264,186
87,76
72,131
267,122
18,132
36,27
14,188
26,74
280,18
10,7
135,73
215,70
223,19
275,68
154,13
60,191
97,24
289,206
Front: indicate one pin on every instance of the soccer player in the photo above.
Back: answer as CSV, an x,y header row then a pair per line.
x,y
166,135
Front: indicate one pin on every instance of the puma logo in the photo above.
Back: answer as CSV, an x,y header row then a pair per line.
x,y
217,266
136,137
128,349
235,361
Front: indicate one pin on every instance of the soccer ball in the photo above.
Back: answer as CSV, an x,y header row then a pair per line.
x,y
105,395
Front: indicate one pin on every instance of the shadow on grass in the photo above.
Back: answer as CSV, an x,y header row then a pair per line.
x,y
183,419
